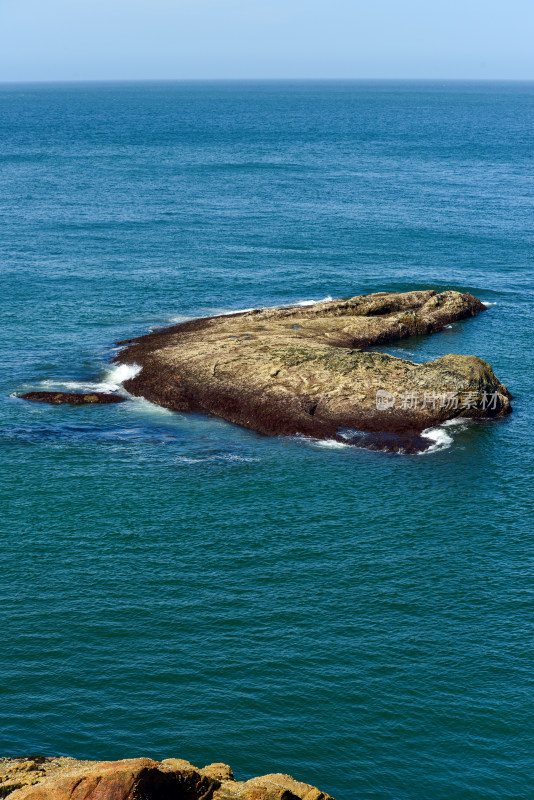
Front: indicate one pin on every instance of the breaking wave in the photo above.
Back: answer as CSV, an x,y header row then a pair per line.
x,y
440,438
330,444
112,382
121,373
326,299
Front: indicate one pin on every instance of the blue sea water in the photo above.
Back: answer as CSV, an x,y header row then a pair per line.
x,y
173,585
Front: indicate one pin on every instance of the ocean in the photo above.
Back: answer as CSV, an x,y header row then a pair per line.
x,y
174,585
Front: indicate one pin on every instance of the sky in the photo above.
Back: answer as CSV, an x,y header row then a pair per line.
x,y
47,40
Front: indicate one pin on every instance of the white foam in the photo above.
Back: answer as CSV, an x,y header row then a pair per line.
x,y
441,439
179,318
488,304
327,299
331,444
216,458
76,386
113,381
234,311
231,457
296,304
456,421
141,405
121,373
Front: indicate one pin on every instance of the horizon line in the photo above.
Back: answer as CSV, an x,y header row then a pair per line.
x,y
43,81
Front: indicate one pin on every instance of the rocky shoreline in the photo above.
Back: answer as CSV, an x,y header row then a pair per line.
x,y
39,778
73,398
309,371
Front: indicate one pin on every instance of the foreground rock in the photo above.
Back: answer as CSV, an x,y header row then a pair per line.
x,y
73,398
141,779
309,370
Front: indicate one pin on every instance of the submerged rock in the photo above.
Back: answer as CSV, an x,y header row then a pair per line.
x,y
308,370
141,779
73,398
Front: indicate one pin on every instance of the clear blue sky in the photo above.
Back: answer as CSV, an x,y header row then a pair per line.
x,y
129,39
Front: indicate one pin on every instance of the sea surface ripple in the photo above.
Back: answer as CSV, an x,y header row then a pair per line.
x,y
173,585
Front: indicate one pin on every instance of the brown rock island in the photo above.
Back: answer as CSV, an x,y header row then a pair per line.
x,y
309,370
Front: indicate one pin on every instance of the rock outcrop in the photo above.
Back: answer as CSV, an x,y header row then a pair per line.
x,y
73,398
140,779
309,370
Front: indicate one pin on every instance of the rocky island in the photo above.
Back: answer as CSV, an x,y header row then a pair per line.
x,y
41,778
310,370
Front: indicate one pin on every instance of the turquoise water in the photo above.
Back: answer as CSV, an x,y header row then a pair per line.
x,y
177,586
